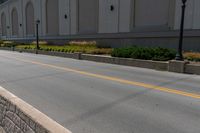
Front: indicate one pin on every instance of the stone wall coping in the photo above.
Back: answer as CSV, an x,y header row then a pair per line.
x,y
34,114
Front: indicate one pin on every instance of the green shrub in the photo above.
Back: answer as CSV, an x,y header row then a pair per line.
x,y
142,53
67,50
1,41
157,53
164,54
122,52
62,50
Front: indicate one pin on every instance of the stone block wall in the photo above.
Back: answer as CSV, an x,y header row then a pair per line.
x,y
13,120
17,116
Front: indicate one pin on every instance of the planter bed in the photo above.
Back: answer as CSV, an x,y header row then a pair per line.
x,y
190,68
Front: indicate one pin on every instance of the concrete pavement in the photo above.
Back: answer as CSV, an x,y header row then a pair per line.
x,y
90,97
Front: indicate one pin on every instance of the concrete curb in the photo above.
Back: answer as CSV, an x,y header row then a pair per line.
x,y
171,66
16,115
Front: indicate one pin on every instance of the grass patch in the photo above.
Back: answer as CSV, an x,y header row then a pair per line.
x,y
70,48
192,56
7,44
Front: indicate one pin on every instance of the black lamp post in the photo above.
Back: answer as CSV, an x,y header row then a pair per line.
x,y
179,55
37,36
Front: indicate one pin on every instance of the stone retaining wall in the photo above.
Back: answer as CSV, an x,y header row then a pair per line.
x,y
158,65
2,130
192,69
13,120
16,116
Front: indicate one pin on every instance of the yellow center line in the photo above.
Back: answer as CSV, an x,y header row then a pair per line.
x,y
140,84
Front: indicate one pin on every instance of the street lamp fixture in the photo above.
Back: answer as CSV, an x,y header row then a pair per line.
x,y
37,36
179,55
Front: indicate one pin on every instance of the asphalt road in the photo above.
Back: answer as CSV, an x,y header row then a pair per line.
x,y
90,97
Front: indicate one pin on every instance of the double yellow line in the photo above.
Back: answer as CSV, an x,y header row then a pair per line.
x,y
119,80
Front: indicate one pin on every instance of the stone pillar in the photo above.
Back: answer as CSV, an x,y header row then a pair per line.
x,y
177,66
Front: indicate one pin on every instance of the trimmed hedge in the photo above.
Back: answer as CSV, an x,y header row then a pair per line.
x,y
146,53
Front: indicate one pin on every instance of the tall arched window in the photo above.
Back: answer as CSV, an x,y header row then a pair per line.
x,y
30,28
15,28
3,24
52,22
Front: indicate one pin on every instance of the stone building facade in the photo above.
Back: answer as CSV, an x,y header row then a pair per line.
x,y
116,22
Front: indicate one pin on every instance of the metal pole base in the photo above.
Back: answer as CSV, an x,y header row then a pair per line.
x,y
179,57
